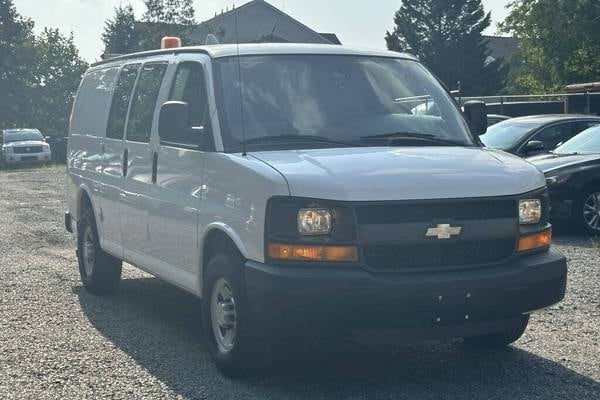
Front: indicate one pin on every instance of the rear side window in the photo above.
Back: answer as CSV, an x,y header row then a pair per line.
x,y
92,103
143,102
120,103
190,87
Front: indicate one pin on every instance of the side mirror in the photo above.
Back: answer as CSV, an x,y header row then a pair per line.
x,y
534,146
476,115
174,126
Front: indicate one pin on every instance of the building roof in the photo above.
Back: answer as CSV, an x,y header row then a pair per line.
x,y
502,47
248,49
258,21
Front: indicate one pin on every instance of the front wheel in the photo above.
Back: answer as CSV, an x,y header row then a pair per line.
x,y
226,321
501,339
588,210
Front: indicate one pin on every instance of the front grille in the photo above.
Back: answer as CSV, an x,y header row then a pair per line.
x,y
26,150
430,211
415,256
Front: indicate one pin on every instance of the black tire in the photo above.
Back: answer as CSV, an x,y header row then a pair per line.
x,y
581,210
243,357
500,339
100,273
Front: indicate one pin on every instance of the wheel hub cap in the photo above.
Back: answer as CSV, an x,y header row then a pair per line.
x,y
591,211
89,252
223,316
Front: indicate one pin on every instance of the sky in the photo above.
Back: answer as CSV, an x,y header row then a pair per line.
x,y
361,23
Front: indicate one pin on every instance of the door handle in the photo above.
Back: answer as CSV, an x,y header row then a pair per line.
x,y
125,161
154,167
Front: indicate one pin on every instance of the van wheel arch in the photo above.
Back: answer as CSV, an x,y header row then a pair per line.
x,y
217,242
83,203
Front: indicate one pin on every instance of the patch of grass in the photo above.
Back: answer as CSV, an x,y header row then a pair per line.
x,y
34,167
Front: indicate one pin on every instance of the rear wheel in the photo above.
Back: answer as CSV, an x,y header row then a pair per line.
x,y
501,339
228,327
588,210
100,272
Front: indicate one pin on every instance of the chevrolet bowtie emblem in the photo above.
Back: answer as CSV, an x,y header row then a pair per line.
x,y
444,231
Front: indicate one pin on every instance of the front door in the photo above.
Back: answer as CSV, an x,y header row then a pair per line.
x,y
176,193
137,162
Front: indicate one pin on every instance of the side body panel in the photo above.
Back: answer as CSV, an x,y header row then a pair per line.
x,y
235,192
86,136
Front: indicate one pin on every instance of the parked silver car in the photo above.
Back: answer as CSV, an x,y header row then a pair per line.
x,y
23,146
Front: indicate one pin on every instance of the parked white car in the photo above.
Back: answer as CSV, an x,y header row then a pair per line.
x,y
294,189
23,146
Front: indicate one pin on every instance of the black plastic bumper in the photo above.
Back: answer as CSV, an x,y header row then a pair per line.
x,y
443,304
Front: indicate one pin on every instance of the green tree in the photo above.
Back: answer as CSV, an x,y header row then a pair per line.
x,y
165,18
174,12
59,69
17,58
447,36
559,43
119,34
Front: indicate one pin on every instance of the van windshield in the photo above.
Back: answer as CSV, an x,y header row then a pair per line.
x,y
321,100
22,135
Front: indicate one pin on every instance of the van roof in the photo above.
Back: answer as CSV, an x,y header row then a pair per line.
x,y
230,50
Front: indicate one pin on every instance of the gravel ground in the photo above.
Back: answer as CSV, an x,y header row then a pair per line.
x,y
58,342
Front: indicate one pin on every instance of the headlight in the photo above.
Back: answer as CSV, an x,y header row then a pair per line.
x,y
46,147
7,149
314,221
530,211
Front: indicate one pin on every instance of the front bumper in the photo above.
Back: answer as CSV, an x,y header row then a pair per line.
x,y
14,158
434,305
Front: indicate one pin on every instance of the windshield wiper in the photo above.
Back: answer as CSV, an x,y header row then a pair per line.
x,y
298,139
427,137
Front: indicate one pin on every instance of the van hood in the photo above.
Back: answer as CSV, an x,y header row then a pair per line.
x,y
402,173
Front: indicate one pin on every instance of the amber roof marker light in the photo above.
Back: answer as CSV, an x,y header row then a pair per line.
x,y
170,42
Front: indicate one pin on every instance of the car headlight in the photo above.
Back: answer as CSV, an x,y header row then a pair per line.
x,y
46,147
6,149
530,211
314,221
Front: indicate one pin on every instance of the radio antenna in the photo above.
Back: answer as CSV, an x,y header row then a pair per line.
x,y
239,62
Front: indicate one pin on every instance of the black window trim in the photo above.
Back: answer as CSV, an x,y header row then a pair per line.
x,y
529,137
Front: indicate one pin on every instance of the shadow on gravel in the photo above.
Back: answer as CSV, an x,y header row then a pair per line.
x,y
158,326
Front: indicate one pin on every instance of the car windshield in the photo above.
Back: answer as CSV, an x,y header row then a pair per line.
x,y
293,101
587,141
506,134
22,135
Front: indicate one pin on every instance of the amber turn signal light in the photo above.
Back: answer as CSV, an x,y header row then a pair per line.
x,y
289,252
535,241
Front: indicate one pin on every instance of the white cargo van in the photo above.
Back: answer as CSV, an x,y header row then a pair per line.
x,y
306,186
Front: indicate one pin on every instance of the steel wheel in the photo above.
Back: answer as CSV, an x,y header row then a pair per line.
x,y
223,316
591,211
89,251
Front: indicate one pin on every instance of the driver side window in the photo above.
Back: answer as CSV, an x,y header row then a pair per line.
x,y
553,135
190,87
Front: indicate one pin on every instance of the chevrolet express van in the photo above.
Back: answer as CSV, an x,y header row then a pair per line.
x,y
307,187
